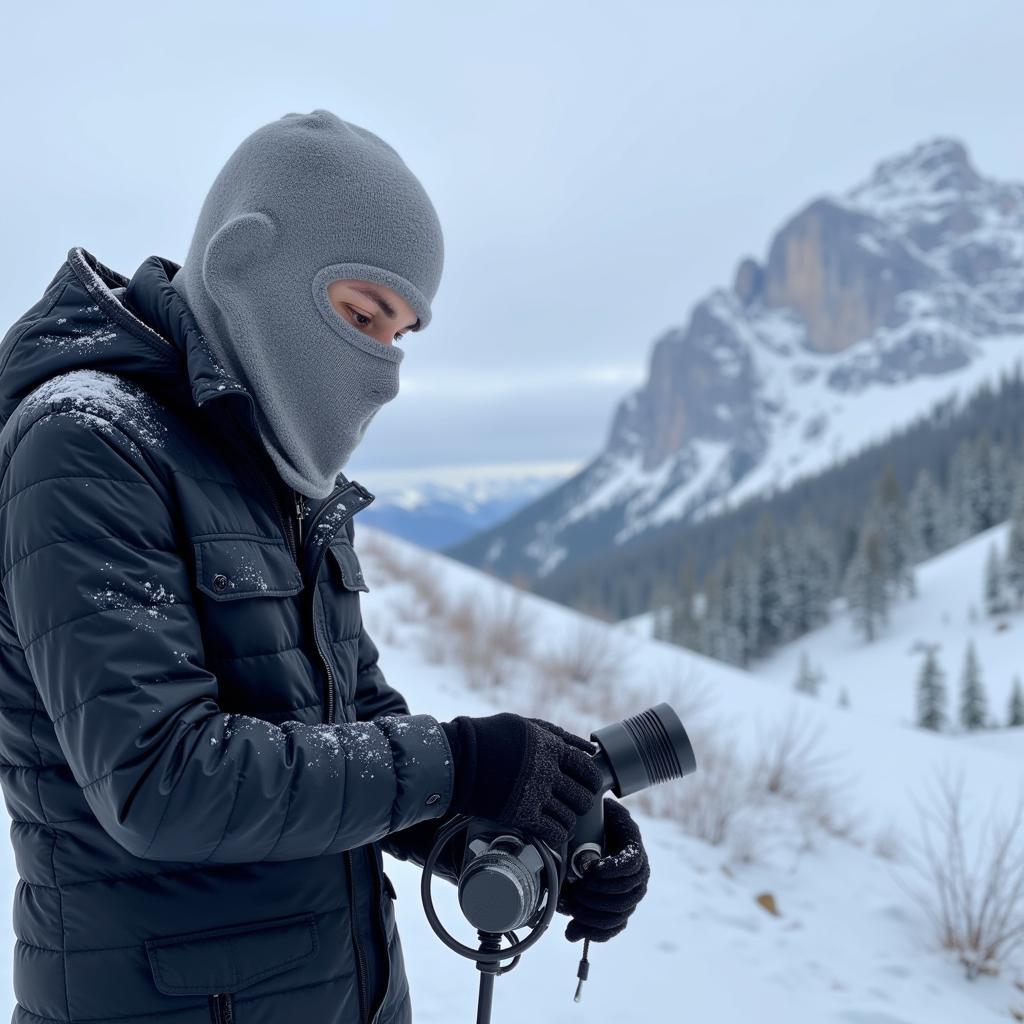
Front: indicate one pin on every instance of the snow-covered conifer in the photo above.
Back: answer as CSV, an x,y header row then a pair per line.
x,y
1016,709
925,518
865,585
931,694
995,601
973,711
808,679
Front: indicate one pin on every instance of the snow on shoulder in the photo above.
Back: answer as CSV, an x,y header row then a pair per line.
x,y
105,401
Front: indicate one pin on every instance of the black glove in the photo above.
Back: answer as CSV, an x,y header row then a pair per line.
x,y
570,737
521,773
601,901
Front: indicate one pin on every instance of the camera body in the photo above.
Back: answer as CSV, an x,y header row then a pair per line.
x,y
502,881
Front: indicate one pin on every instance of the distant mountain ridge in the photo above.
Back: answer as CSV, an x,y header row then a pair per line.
x,y
868,308
434,513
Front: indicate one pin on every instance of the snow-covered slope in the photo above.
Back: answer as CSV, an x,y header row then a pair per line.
x,y
848,946
869,308
948,613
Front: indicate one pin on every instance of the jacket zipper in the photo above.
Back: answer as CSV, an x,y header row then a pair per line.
x,y
286,526
360,960
382,928
300,512
221,1009
329,695
329,717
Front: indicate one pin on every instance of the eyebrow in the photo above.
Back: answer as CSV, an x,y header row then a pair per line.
x,y
384,305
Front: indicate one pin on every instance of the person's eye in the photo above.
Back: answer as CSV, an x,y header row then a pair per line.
x,y
361,318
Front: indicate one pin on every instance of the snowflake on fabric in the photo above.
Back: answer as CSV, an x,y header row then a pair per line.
x,y
103,401
142,603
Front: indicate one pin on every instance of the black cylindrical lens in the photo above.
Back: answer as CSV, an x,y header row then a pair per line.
x,y
646,749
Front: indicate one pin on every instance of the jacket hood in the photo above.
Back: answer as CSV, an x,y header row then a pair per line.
x,y
92,317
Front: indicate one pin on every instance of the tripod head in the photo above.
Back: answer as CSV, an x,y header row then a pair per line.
x,y
510,879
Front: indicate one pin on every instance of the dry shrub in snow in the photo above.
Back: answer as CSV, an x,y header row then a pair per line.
x,y
789,761
589,656
488,636
384,558
425,599
970,880
508,625
430,595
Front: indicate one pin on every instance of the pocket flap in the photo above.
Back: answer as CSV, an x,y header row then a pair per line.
x,y
228,959
228,568
346,562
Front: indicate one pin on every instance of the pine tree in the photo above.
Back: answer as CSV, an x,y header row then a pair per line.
x,y
682,625
925,517
931,694
865,585
1016,710
973,712
1015,547
844,698
995,602
741,601
774,595
808,680
890,515
709,622
1002,467
973,489
809,555
977,485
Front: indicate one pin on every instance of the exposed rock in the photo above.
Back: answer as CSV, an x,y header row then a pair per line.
x,y
749,281
841,271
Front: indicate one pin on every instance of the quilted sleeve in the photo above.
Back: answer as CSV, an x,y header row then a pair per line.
x,y
375,697
100,596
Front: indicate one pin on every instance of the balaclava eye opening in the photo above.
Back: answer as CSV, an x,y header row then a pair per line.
x,y
302,202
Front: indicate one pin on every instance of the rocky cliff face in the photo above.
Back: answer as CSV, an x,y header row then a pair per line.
x,y
912,280
833,267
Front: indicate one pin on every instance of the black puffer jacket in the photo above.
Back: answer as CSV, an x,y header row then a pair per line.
x,y
199,753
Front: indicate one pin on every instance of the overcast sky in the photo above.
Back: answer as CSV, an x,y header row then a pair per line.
x,y
597,167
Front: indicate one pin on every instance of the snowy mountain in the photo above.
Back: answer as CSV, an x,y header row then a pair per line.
x,y
869,308
446,505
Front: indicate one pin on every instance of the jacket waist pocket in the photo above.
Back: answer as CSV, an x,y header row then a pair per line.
x,y
229,959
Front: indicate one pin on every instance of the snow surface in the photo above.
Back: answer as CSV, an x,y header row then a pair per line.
x,y
848,945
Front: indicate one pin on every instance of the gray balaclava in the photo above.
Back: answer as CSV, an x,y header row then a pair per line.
x,y
303,201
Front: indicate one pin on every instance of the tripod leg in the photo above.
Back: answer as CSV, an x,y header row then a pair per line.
x,y
489,969
483,1006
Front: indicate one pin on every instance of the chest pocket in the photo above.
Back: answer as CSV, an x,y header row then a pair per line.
x,y
345,565
229,568
343,581
250,604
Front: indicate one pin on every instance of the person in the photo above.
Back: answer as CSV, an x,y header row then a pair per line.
x,y
202,759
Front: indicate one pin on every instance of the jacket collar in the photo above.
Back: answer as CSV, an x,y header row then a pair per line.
x,y
92,317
